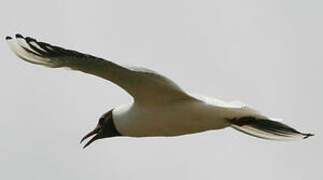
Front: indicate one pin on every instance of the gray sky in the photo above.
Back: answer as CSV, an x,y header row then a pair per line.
x,y
267,54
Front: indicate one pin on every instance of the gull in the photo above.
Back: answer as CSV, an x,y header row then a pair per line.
x,y
160,107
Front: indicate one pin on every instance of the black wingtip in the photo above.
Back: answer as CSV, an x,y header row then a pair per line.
x,y
29,39
308,135
19,36
8,37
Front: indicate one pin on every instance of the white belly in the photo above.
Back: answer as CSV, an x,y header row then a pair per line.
x,y
172,119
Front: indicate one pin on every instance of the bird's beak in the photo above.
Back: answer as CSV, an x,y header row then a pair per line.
x,y
95,131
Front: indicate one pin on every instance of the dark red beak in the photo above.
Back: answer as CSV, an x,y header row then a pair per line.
x,y
95,131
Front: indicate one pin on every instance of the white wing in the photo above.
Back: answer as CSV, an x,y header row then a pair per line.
x,y
144,85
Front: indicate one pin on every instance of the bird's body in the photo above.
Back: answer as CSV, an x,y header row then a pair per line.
x,y
180,117
171,119
160,106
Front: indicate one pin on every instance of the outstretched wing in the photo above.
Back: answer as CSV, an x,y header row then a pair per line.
x,y
144,85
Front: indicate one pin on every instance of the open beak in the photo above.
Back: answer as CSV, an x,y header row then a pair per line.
x,y
94,132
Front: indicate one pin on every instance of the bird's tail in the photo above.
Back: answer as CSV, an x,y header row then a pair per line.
x,y
267,129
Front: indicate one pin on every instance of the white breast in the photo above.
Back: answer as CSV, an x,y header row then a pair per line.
x,y
171,119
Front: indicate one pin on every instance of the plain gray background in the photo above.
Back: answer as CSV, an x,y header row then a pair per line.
x,y
267,54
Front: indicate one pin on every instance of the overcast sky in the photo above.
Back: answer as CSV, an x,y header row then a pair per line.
x,y
267,54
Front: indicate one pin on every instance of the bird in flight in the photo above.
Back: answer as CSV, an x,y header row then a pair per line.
x,y
160,107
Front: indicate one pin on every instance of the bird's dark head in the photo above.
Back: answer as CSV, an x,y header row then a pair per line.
x,y
104,129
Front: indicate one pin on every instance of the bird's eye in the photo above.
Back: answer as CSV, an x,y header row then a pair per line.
x,y
101,121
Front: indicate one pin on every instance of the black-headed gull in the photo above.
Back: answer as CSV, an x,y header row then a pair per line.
x,y
160,106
